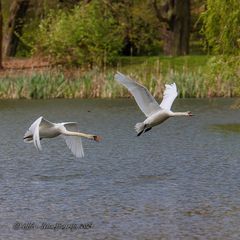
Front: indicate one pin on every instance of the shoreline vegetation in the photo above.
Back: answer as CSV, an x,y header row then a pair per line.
x,y
35,79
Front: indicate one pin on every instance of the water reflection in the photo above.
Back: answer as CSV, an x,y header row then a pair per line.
x,y
226,128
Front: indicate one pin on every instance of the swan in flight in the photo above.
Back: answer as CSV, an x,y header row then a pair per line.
x,y
154,112
43,128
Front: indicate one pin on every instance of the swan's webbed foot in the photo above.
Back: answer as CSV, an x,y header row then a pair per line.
x,y
140,133
144,127
147,129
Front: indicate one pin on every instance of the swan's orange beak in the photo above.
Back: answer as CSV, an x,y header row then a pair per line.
x,y
97,138
190,114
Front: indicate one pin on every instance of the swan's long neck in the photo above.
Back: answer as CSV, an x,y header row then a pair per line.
x,y
78,134
175,114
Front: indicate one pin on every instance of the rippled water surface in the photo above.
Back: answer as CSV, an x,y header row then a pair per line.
x,y
181,180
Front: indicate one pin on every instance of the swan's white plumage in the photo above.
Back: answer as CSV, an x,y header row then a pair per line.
x,y
74,143
35,131
156,114
169,95
35,128
144,99
42,128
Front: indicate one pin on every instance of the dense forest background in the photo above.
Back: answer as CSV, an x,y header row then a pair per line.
x,y
101,29
106,34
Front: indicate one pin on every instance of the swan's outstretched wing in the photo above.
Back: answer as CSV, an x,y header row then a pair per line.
x,y
34,129
144,99
74,143
169,96
44,123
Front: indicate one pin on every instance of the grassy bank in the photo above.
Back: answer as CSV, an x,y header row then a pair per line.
x,y
189,73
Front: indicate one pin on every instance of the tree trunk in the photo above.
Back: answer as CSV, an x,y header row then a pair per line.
x,y
14,26
174,17
181,28
1,34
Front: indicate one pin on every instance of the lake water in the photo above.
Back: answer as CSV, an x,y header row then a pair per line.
x,y
181,180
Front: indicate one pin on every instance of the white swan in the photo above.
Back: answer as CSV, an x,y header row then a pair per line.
x,y
154,112
43,128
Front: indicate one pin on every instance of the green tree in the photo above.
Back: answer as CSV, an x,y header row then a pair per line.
x,y
150,24
87,34
1,34
221,26
139,25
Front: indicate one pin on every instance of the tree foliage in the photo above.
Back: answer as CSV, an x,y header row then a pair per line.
x,y
86,34
1,33
94,31
140,26
221,26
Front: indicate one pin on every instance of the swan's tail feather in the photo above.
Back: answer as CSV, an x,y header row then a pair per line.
x,y
139,127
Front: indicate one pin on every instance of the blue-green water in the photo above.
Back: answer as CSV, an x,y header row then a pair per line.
x,y
178,181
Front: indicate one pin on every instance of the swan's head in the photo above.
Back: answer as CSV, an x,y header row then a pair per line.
x,y
28,136
97,138
190,114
